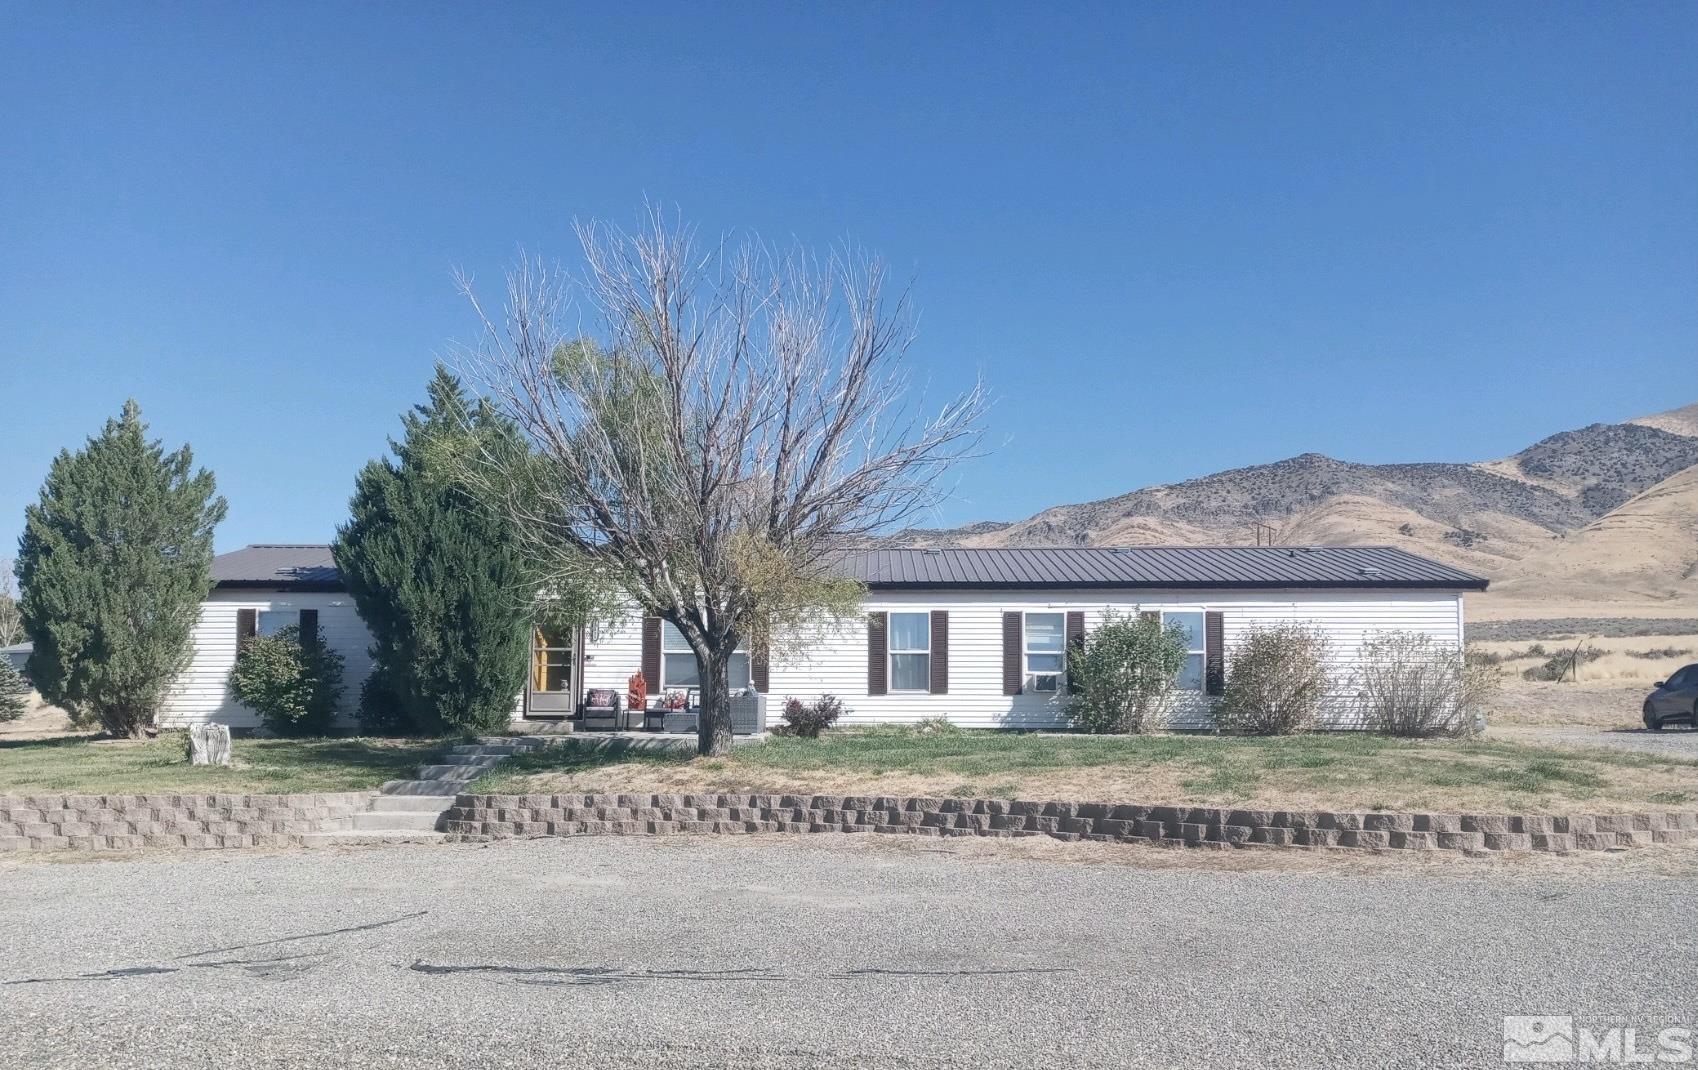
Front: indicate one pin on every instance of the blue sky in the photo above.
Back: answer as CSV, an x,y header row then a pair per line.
x,y
1172,238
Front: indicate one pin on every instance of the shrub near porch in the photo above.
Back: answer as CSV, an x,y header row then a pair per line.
x,y
1334,771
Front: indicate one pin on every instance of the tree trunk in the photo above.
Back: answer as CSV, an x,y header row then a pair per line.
x,y
713,722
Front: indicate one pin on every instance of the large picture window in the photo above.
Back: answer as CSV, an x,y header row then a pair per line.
x,y
1046,650
910,651
678,668
1190,677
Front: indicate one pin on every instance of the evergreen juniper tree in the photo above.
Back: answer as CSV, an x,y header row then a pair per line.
x,y
115,559
438,581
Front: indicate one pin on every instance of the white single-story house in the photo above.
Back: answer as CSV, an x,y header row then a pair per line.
x,y
978,636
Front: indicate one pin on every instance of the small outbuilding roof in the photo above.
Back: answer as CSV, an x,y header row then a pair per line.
x,y
292,566
311,567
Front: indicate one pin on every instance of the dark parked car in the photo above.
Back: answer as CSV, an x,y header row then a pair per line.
x,y
1675,700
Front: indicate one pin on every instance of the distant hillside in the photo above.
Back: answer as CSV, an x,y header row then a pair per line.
x,y
1682,421
1486,516
1646,549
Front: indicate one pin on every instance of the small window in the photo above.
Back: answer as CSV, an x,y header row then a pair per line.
x,y
1191,676
910,651
1046,650
678,667
272,621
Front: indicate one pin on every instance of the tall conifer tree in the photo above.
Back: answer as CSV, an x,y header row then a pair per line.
x,y
115,559
437,580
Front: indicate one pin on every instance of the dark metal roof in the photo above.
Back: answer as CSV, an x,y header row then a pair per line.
x,y
311,567
1158,567
295,566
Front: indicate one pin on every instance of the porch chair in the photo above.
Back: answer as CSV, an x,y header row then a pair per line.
x,y
600,711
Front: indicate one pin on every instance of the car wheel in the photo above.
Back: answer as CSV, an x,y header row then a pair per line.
x,y
1655,724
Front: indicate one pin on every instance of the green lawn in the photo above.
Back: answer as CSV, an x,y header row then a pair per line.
x,y
82,766
1323,770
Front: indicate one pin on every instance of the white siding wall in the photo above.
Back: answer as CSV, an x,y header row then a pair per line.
x,y
835,660
612,652
202,692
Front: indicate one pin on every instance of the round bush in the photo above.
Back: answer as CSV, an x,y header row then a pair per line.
x,y
293,686
1277,681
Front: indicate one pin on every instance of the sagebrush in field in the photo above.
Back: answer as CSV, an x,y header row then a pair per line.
x,y
1277,680
1411,684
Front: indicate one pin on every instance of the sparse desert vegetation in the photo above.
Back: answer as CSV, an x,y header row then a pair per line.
x,y
1624,659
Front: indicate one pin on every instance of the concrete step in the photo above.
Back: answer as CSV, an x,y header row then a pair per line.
x,y
461,772
357,836
411,804
486,750
397,821
422,787
522,742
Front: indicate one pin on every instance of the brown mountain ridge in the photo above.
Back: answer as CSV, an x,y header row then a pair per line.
x,y
1491,516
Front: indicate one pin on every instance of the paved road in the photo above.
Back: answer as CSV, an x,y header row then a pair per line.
x,y
781,953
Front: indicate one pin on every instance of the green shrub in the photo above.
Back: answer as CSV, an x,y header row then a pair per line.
x,y
1124,679
1277,682
14,692
381,712
293,686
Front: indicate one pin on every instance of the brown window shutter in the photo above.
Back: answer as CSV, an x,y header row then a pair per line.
x,y
759,674
309,627
878,644
1214,653
651,653
1013,657
1075,642
247,625
940,652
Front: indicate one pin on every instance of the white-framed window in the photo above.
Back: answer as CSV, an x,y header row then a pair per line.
x,y
1046,650
679,669
1191,676
910,652
272,621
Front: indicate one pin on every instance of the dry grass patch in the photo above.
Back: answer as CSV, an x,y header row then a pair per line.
x,y
1338,771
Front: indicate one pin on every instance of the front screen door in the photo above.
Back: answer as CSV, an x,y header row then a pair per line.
x,y
552,661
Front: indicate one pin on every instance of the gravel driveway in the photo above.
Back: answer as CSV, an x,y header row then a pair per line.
x,y
1675,741
783,953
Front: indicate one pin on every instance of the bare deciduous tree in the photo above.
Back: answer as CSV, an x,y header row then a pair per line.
x,y
738,417
11,615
